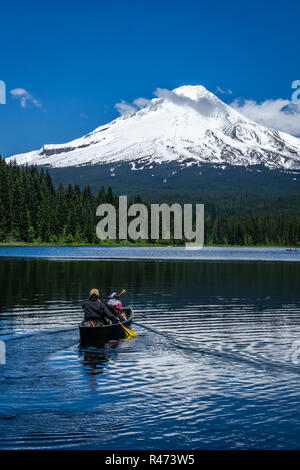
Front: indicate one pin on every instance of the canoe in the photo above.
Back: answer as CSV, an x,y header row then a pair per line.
x,y
90,334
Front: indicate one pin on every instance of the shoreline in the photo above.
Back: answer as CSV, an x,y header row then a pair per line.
x,y
137,245
233,254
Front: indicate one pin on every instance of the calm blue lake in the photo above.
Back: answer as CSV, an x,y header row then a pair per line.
x,y
216,364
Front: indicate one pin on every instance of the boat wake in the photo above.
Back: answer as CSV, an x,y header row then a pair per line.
x,y
269,366
35,347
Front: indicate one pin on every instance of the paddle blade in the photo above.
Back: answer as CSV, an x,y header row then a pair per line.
x,y
129,333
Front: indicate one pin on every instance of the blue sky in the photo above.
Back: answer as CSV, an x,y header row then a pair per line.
x,y
76,60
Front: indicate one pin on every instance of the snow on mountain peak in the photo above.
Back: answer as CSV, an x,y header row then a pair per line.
x,y
194,92
187,124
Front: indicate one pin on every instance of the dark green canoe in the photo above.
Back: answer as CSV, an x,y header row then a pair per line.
x,y
90,334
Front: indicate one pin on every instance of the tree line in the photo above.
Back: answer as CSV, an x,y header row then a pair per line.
x,y
33,210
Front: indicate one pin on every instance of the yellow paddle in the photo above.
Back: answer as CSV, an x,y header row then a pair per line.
x,y
123,292
128,331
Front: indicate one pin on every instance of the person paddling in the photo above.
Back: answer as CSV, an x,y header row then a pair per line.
x,y
115,306
96,313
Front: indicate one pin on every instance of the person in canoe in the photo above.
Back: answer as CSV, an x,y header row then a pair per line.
x,y
115,306
97,313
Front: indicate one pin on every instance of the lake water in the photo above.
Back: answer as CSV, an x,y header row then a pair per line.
x,y
215,365
115,252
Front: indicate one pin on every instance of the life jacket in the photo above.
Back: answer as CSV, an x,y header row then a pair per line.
x,y
115,303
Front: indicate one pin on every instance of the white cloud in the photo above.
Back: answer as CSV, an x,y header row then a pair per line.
x,y
223,92
203,105
25,97
279,114
124,108
141,102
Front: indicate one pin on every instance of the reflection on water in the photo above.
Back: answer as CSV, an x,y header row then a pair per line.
x,y
46,294
211,368
94,358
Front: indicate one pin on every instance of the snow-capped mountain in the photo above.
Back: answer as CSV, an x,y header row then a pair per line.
x,y
188,125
